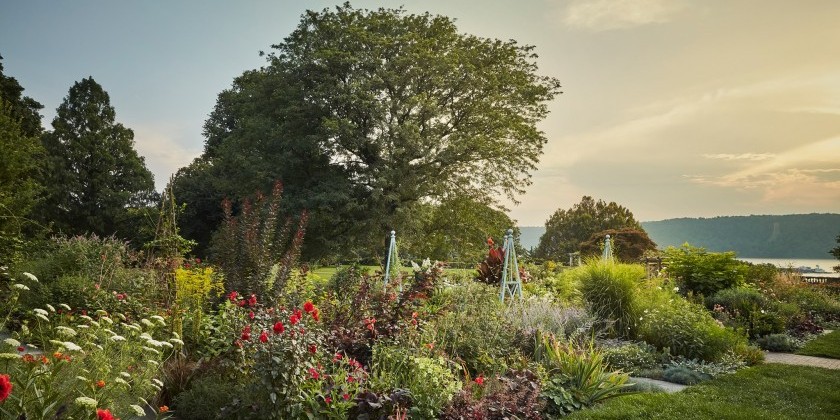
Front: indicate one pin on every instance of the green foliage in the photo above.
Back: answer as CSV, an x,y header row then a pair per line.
x,y
684,376
836,253
565,230
429,379
254,250
827,345
207,397
373,112
609,289
746,309
772,391
669,321
577,377
704,272
533,318
631,357
781,343
93,173
19,189
473,329
22,109
628,244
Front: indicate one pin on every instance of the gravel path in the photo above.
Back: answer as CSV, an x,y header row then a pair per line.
x,y
666,386
795,359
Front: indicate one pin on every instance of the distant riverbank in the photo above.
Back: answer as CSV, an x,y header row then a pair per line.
x,y
825,264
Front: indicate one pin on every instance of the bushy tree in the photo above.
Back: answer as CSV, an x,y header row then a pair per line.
x,y
94,174
366,114
628,244
20,151
19,190
565,230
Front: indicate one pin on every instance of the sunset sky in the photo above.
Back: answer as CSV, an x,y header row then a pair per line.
x,y
670,108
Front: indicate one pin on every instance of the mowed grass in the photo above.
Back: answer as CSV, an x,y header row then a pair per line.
x,y
771,391
827,345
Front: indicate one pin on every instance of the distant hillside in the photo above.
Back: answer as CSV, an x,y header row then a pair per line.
x,y
787,236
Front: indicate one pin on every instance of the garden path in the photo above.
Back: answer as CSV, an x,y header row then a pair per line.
x,y
666,386
795,359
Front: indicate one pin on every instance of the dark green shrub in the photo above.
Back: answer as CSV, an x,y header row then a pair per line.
x,y
684,376
747,309
609,289
777,342
704,272
206,398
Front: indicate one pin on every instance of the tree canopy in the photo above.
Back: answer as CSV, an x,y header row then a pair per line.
x,y
366,114
23,109
566,230
94,172
628,244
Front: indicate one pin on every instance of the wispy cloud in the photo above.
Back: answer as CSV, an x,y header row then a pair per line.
x,y
605,15
742,156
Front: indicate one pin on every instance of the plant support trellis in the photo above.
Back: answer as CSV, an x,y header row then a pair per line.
x,y
511,280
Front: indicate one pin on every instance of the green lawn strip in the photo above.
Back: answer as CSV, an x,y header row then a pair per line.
x,y
771,391
827,345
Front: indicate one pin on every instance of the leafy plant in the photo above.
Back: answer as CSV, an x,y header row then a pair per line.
x,y
515,395
683,375
248,246
778,342
577,377
631,357
704,272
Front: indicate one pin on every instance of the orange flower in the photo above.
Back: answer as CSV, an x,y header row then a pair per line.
x,y
100,384
163,409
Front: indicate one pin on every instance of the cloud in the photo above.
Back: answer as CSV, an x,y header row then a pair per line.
x,y
162,147
605,15
742,156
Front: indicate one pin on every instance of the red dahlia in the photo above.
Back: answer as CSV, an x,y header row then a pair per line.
x,y
5,387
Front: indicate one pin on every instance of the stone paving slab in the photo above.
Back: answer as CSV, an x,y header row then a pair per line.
x,y
795,359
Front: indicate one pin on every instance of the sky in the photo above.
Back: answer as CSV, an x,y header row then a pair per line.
x,y
670,108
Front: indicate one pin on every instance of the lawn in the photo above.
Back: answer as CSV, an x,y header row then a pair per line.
x,y
827,345
771,391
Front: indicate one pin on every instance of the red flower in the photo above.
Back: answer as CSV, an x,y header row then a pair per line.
x,y
327,400
293,319
314,373
301,331
369,323
313,349
346,397
241,303
232,296
198,260
251,315
480,380
316,315
252,300
279,328
104,414
5,387
187,266
263,337
247,328
308,307
21,349
246,333
337,357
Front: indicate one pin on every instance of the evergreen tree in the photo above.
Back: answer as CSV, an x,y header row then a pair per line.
x,y
94,174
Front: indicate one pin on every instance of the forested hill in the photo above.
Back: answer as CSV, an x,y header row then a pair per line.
x,y
786,236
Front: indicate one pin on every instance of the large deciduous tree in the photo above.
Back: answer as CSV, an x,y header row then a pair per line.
x,y
20,150
94,174
566,230
365,115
